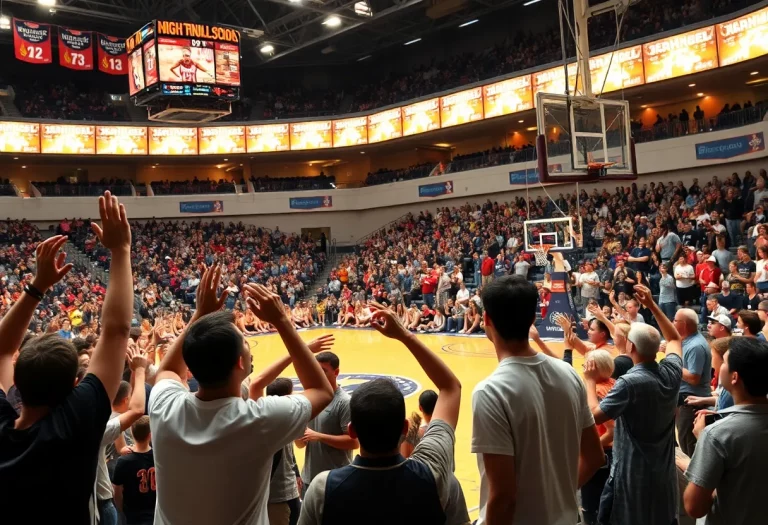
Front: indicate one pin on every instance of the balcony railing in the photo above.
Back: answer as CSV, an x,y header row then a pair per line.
x,y
81,190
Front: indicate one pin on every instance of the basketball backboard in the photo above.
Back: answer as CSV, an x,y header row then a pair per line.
x,y
557,234
583,139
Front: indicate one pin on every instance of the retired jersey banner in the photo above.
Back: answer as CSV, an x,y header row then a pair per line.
x,y
111,55
76,49
310,203
32,41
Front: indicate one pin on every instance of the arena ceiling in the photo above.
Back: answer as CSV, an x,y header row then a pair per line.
x,y
298,30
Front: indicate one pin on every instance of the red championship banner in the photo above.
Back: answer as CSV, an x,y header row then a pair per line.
x,y
76,49
111,55
32,41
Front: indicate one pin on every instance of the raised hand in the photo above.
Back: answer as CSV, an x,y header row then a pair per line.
x,y
590,370
386,322
207,300
643,295
114,232
264,304
533,333
138,358
50,263
322,343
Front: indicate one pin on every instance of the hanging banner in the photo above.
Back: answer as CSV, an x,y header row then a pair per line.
x,y
111,55
310,203
32,41
437,189
76,49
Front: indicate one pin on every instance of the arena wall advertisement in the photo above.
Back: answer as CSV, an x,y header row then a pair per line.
x,y
222,139
462,107
730,147
421,117
508,96
270,137
311,135
121,140
173,141
350,132
680,55
310,203
68,139
385,125
437,189
19,137
617,70
201,207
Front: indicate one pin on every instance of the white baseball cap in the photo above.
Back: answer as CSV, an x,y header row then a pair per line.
x,y
722,319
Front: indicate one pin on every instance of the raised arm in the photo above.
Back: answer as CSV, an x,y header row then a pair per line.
x,y
600,316
622,312
668,330
137,403
269,374
449,396
50,270
115,234
269,308
533,333
207,301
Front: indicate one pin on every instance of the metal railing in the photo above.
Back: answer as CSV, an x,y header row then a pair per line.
x,y
677,128
192,188
81,190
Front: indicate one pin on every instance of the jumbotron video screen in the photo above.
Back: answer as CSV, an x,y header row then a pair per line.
x,y
184,59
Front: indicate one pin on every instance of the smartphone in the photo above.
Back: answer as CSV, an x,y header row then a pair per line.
x,y
711,418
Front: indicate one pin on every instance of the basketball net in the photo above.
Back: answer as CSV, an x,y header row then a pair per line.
x,y
540,253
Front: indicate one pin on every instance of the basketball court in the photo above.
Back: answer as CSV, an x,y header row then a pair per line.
x,y
366,355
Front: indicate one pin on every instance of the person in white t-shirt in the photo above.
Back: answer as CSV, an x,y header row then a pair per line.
x,y
685,282
213,450
533,433
462,296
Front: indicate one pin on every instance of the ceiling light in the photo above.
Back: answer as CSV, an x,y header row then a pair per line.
x,y
332,21
465,24
691,85
751,74
15,158
531,2
153,167
363,9
412,41
23,167
295,1
699,94
521,121
5,22
226,160
362,153
267,49
644,106
366,57
47,3
532,128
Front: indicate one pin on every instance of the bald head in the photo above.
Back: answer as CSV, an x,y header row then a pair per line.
x,y
686,321
645,339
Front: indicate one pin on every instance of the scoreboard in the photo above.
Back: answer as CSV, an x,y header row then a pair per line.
x,y
184,59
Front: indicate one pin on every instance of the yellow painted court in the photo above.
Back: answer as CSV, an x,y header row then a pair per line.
x,y
367,353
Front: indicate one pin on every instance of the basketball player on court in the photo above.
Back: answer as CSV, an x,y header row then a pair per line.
x,y
533,433
186,68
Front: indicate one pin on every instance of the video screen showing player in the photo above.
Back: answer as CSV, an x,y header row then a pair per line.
x,y
150,63
181,62
136,72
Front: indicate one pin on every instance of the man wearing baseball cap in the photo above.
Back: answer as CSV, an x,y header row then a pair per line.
x,y
719,326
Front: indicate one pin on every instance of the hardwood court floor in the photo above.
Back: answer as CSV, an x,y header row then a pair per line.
x,y
365,354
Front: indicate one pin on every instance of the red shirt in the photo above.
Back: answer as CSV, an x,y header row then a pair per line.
x,y
708,275
486,268
428,284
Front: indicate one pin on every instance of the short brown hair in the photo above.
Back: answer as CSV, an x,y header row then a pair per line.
x,y
751,320
140,429
45,371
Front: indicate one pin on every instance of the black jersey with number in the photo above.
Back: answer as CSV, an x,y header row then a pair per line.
x,y
136,473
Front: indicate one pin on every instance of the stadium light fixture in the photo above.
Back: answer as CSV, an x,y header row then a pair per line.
x,y
267,49
366,57
363,9
332,21
531,2
465,24
295,1
751,74
412,41
5,22
47,3
699,94
521,121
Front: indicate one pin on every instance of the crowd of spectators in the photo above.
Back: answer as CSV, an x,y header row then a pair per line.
x,y
319,182
297,102
61,187
193,186
385,176
65,102
577,430
6,188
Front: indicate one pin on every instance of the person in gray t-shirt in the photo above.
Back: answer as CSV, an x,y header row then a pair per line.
x,y
667,244
727,474
328,443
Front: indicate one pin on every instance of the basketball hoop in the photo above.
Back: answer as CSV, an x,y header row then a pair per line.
x,y
540,252
599,168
